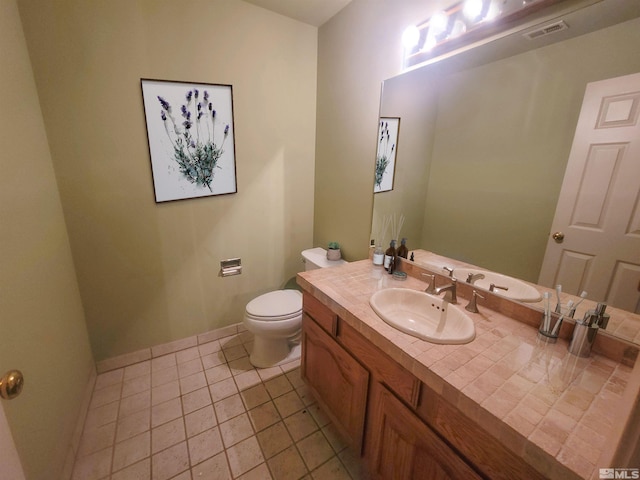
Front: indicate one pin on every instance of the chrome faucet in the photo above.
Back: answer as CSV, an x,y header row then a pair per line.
x,y
472,277
431,288
450,291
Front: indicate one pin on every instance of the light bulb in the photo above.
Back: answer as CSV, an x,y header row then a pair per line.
x,y
410,37
438,23
472,9
458,29
494,10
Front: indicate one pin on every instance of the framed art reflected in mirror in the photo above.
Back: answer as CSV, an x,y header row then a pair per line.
x,y
388,131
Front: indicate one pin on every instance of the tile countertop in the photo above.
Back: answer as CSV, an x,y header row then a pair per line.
x,y
539,400
623,324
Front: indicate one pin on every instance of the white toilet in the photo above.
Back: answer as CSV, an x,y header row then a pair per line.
x,y
275,318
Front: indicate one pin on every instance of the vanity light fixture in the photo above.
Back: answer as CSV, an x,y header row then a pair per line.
x,y
464,23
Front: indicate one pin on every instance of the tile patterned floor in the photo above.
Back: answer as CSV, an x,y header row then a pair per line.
x,y
205,413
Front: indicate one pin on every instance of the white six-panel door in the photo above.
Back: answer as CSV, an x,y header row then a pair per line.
x,y
597,219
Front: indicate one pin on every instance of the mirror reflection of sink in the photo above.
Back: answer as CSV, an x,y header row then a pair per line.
x,y
434,267
517,289
424,316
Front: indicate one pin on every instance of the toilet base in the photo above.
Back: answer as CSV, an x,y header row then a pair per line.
x,y
270,353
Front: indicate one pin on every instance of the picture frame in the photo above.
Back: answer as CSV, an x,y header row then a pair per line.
x,y
388,133
191,136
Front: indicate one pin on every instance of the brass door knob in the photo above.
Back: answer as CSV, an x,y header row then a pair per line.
x,y
558,237
11,384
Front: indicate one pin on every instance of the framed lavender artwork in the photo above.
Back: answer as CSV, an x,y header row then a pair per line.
x,y
388,130
191,138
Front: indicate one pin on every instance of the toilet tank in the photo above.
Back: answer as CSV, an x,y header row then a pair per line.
x,y
317,258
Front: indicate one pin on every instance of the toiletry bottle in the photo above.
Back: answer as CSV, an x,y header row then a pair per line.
x,y
403,251
378,255
390,254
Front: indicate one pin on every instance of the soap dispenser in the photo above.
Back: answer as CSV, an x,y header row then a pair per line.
x,y
390,254
585,330
403,251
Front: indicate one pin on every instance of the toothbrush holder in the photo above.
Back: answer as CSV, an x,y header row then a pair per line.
x,y
565,310
582,339
548,334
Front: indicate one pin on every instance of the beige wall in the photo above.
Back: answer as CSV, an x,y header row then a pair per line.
x,y
148,272
43,329
357,50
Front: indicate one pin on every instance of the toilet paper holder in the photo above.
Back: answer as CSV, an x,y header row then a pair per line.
x,y
230,266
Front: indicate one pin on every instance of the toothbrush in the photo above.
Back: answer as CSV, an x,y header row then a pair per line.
x,y
545,325
571,309
583,295
558,304
556,327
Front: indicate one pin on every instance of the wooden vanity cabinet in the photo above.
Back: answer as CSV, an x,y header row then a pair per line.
x,y
401,447
400,427
338,382
355,382
483,450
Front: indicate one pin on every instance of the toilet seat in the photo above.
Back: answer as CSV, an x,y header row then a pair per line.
x,y
273,318
277,305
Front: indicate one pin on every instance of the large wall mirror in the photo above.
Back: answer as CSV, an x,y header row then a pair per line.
x,y
486,135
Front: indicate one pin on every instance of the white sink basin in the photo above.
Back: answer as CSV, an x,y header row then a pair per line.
x,y
424,316
517,289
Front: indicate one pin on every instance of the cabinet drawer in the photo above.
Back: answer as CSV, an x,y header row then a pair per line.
x,y
320,313
382,367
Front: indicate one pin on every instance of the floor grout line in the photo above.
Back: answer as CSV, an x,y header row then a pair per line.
x,y
233,353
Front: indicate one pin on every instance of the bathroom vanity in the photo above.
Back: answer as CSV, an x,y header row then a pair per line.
x,y
502,406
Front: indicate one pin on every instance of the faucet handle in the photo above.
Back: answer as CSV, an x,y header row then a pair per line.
x,y
431,288
473,305
450,270
493,286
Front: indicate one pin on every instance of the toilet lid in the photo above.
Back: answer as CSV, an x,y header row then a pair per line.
x,y
276,304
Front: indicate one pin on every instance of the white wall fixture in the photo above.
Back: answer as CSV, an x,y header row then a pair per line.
x,y
231,266
465,23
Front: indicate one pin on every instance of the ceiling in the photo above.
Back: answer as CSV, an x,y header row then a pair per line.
x,y
313,12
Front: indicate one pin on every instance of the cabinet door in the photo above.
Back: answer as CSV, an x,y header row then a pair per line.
x,y
401,447
338,382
